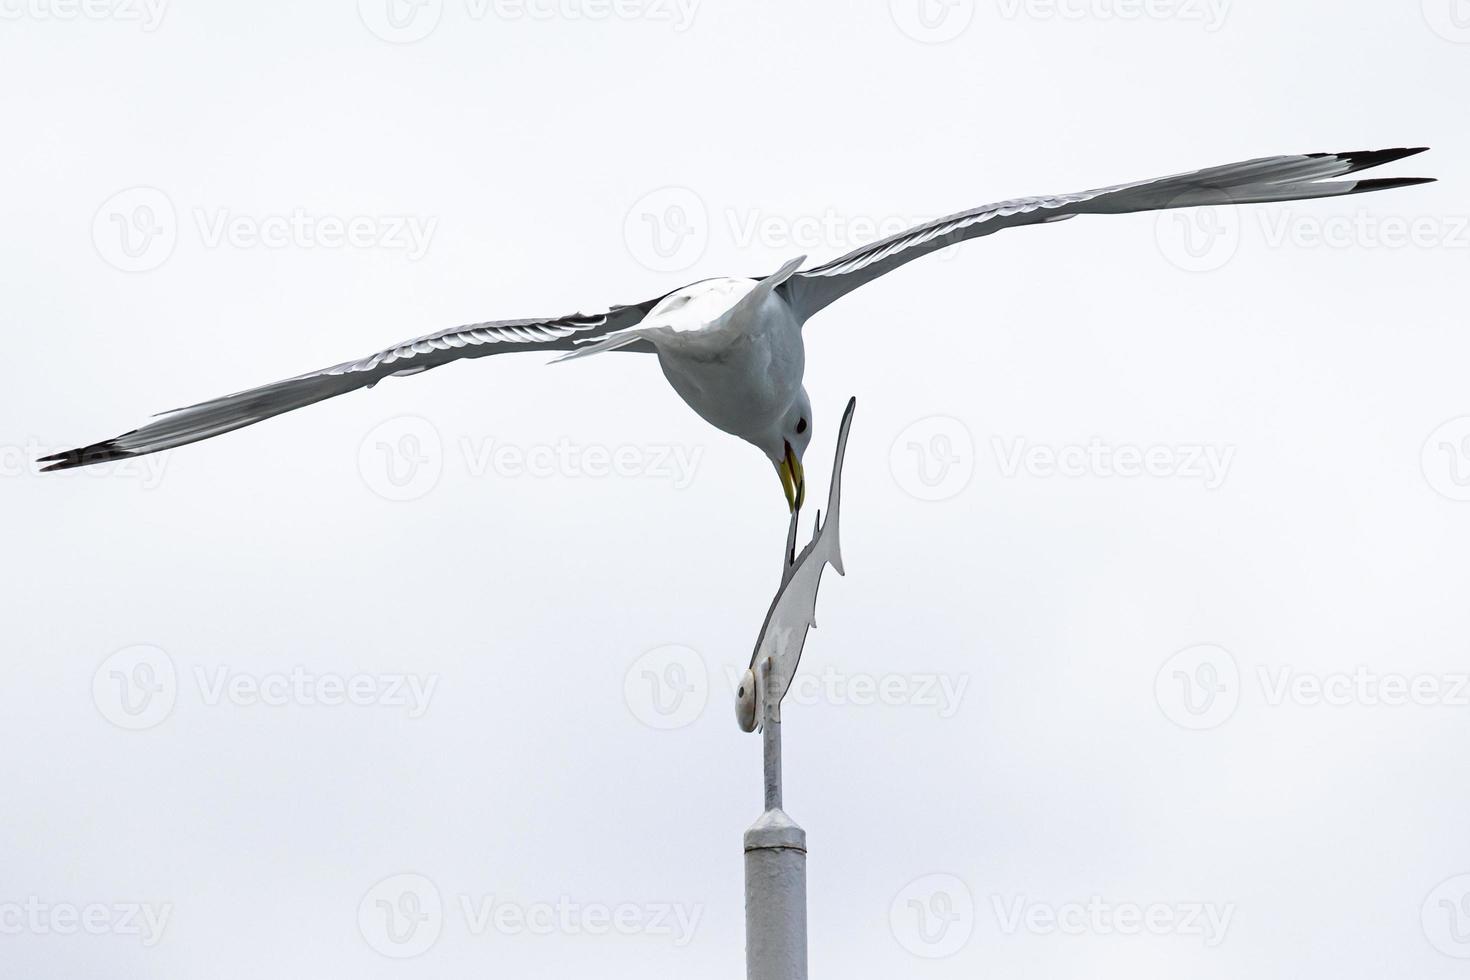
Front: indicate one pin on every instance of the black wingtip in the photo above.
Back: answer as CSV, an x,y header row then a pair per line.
x,y
102,452
1366,159
1387,183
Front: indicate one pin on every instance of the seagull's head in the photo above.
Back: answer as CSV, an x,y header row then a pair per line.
x,y
787,445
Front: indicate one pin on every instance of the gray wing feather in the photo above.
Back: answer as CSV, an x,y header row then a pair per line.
x,y
220,415
1281,178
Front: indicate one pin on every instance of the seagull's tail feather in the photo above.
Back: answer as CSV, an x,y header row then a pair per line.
x,y
220,415
1290,178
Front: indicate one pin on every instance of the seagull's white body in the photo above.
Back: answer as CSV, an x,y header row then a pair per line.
x,y
740,374
732,348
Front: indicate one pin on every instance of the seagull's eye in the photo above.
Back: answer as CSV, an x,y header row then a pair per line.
x,y
800,426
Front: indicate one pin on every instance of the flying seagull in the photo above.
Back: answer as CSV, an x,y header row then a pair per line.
x,y
732,347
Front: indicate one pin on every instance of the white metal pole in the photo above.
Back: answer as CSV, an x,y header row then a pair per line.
x,y
775,866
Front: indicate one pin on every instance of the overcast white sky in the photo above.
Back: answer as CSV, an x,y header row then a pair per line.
x,y
1151,656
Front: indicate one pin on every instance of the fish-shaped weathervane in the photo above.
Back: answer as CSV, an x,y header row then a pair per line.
x,y
794,609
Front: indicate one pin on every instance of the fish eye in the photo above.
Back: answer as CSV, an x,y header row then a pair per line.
x,y
800,426
745,705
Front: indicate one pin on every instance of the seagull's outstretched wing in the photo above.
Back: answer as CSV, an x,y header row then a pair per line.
x,y
220,415
1284,178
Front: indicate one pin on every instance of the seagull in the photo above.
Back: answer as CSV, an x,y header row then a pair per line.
x,y
732,348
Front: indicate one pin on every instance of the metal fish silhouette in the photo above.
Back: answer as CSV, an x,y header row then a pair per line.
x,y
794,609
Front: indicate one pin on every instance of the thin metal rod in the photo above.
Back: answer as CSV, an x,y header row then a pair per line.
x,y
771,738
775,865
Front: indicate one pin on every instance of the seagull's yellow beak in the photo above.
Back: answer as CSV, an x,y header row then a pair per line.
x,y
793,479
